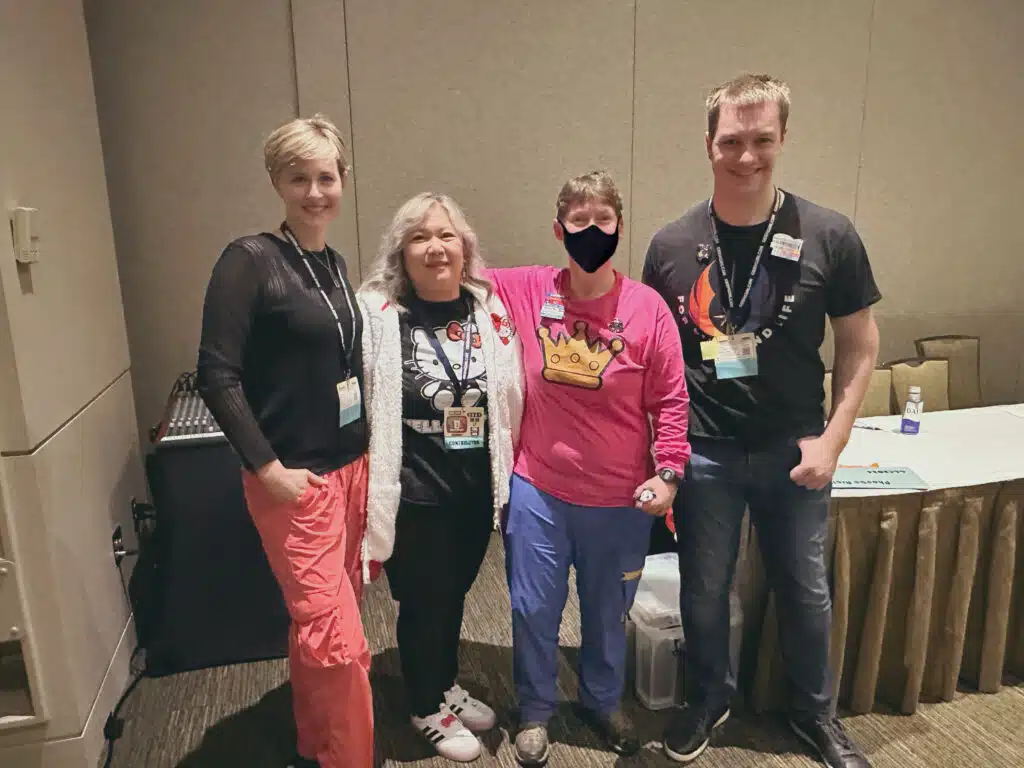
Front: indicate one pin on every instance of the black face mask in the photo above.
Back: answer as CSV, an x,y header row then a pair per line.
x,y
590,247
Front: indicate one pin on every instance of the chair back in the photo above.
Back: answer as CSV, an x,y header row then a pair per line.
x,y
878,398
964,355
930,374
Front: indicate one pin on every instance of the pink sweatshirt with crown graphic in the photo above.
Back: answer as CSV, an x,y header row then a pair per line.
x,y
605,385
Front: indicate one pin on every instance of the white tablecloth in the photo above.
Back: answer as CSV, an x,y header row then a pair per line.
x,y
954,449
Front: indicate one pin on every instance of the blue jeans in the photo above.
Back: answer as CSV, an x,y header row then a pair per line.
x,y
608,546
721,481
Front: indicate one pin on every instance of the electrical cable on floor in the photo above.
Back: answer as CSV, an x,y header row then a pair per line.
x,y
113,728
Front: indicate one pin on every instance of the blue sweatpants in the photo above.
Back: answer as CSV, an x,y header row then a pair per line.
x,y
608,545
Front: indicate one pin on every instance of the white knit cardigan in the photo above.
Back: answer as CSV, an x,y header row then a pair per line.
x,y
382,381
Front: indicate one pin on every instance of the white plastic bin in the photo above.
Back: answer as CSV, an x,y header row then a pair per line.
x,y
657,595
658,643
657,674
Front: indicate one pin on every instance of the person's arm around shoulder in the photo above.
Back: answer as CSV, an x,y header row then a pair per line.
x,y
509,346
515,286
851,293
667,403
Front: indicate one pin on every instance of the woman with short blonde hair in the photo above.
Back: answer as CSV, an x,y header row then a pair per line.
x,y
280,367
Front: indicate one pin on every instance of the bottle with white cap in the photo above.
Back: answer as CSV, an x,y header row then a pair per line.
x,y
911,423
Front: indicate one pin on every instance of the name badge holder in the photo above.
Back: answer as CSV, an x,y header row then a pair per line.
x,y
786,247
735,355
349,394
554,307
463,427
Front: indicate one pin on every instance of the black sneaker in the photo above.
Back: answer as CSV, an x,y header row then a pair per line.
x,y
616,729
830,741
688,734
531,746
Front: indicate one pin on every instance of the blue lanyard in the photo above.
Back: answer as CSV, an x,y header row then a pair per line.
x,y
467,351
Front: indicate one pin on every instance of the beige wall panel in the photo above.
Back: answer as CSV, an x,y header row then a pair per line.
x,y
187,91
65,499
939,198
65,333
494,103
683,49
321,74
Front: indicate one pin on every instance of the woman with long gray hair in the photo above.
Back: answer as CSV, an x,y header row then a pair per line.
x,y
444,401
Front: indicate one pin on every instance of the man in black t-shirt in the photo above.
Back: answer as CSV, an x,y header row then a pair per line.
x,y
752,274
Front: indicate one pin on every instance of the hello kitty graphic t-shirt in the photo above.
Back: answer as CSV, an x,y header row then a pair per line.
x,y
431,474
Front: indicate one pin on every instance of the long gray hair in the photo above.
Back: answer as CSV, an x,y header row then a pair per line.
x,y
388,275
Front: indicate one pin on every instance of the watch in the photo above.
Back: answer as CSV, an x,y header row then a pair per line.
x,y
668,475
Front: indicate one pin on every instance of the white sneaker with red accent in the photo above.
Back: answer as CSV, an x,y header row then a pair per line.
x,y
449,735
474,714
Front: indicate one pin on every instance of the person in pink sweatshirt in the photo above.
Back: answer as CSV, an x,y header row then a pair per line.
x,y
603,443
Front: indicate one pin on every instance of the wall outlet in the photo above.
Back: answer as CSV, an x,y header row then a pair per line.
x,y
117,542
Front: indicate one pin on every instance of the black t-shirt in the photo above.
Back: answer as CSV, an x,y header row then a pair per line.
x,y
431,474
786,311
270,357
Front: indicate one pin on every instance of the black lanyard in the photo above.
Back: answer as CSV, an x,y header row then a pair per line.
x,y
467,351
346,349
757,259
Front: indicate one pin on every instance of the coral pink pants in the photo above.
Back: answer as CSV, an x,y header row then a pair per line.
x,y
314,549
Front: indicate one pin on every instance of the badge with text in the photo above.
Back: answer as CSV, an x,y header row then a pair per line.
x,y
736,356
349,401
464,428
709,349
786,247
554,307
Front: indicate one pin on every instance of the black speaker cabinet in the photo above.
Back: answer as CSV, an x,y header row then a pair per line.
x,y
216,600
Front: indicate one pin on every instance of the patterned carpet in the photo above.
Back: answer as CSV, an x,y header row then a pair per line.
x,y
241,715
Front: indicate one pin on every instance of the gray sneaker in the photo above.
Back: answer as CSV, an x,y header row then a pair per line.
x,y
532,744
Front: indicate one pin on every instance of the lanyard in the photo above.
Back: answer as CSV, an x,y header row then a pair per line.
x,y
467,352
757,259
346,349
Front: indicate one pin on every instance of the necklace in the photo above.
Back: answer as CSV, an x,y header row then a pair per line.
x,y
323,258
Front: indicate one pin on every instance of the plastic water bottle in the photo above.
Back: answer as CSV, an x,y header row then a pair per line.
x,y
911,423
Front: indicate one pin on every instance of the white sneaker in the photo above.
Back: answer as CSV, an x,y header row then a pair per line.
x,y
474,714
449,736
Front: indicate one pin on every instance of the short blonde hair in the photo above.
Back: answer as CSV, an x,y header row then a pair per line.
x,y
388,275
304,138
596,185
744,90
